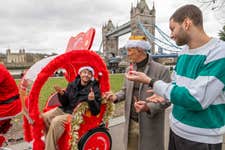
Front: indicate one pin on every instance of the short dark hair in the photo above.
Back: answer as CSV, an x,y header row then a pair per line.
x,y
188,11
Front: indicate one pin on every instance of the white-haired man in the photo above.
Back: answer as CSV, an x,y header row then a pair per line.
x,y
144,126
83,88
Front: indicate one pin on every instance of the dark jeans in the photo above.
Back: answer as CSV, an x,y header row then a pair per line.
x,y
178,143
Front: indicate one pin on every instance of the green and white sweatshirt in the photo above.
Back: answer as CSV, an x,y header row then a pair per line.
x,y
198,93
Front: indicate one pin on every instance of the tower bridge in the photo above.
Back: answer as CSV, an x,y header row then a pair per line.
x,y
142,22
111,34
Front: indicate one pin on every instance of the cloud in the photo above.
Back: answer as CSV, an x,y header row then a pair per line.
x,y
47,25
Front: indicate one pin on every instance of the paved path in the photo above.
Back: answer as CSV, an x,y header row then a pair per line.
x,y
116,131
116,126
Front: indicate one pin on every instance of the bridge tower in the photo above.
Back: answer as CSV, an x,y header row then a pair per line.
x,y
110,43
141,13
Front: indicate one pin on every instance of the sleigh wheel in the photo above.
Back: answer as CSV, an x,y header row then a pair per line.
x,y
96,139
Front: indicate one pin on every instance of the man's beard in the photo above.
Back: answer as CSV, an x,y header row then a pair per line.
x,y
182,38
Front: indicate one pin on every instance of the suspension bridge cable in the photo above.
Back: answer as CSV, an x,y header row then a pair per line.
x,y
154,39
166,37
140,25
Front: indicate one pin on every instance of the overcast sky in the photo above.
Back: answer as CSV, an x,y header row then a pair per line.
x,y
46,25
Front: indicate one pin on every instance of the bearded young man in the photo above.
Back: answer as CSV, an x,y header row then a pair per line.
x,y
198,90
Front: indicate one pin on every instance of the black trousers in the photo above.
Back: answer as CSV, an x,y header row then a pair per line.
x,y
178,143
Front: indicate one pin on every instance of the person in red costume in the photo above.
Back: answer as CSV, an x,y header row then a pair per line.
x,y
10,104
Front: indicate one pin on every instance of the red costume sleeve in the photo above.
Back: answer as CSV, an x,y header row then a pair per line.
x,y
8,89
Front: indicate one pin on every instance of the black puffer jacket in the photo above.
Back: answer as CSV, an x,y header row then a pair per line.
x,y
76,93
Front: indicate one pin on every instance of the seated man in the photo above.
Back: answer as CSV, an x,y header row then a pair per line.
x,y
83,88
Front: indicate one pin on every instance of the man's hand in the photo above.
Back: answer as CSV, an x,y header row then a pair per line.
x,y
109,96
59,89
91,95
156,99
141,106
138,76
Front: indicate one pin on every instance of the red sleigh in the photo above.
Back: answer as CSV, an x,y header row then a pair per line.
x,y
83,131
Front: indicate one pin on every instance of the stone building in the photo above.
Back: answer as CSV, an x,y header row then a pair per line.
x,y
15,57
2,58
20,59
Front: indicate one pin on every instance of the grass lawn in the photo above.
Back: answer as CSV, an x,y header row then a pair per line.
x,y
116,81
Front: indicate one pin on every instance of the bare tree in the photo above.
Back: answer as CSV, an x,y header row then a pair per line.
x,y
217,6
222,33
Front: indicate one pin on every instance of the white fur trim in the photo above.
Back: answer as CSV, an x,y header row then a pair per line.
x,y
138,43
89,68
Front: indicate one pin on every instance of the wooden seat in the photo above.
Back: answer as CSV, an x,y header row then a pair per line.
x,y
52,102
